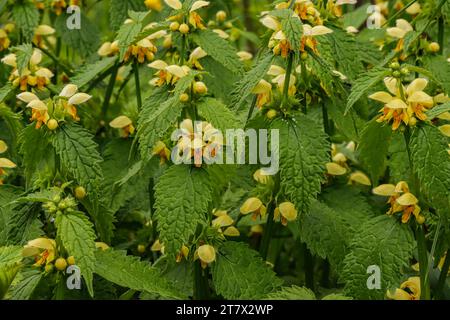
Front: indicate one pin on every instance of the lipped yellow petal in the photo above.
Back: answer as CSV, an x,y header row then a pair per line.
x,y
42,243
335,169
6,163
221,33
199,4
398,294
207,253
251,205
386,190
422,98
27,97
320,30
244,55
177,71
232,232
360,178
68,91
418,84
381,96
120,122
79,98
262,87
223,221
3,146
402,186
407,199
288,211
404,25
44,30
397,104
271,23
396,32
101,245
174,4
158,65
37,105
445,129
391,85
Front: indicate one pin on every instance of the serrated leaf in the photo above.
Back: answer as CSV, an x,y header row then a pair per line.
x,y
439,68
356,17
182,197
5,91
373,148
127,35
292,293
85,40
431,163
293,29
23,56
79,155
29,280
240,273
383,242
26,17
216,113
364,83
304,151
78,238
249,81
130,272
219,49
118,11
438,110
10,255
23,224
92,70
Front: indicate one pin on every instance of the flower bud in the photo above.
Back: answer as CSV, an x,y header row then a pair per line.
x,y
434,47
80,193
200,88
71,260
52,124
184,28
184,98
61,264
174,26
221,16
271,114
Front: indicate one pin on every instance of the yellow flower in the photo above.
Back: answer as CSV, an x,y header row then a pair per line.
x,y
255,207
196,55
223,220
40,32
42,249
125,125
279,79
400,200
4,40
286,211
207,254
263,91
167,74
194,18
160,149
153,4
5,164
335,169
409,290
143,50
260,177
59,6
184,253
39,112
71,99
157,246
3,146
403,105
399,32
109,49
309,34
360,178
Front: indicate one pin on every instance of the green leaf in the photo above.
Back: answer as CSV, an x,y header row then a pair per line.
x,y
79,155
26,18
325,233
427,73
182,198
381,241
118,11
92,70
10,256
219,49
431,163
373,148
216,113
85,40
293,29
249,81
439,68
438,110
23,54
126,36
130,272
5,91
78,238
29,280
304,151
292,293
364,83
336,296
356,17
399,169
240,273
23,224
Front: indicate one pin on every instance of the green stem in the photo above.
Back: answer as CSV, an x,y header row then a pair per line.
x,y
57,61
443,275
252,108
58,52
441,29
309,268
201,287
109,90
138,84
267,235
423,263
287,79
183,49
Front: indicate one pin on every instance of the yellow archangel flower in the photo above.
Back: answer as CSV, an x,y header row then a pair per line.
x,y
160,149
207,254
255,207
194,18
4,40
143,50
339,165
40,32
71,98
4,163
335,8
409,290
309,34
42,249
279,79
305,10
286,212
196,55
402,27
400,200
109,49
263,91
278,42
153,4
167,74
223,220
403,105
124,124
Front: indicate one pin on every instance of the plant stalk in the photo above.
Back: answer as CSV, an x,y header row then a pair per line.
x,y
138,84
423,263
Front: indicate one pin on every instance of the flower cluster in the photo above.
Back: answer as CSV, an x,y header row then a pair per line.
x,y
33,76
400,200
